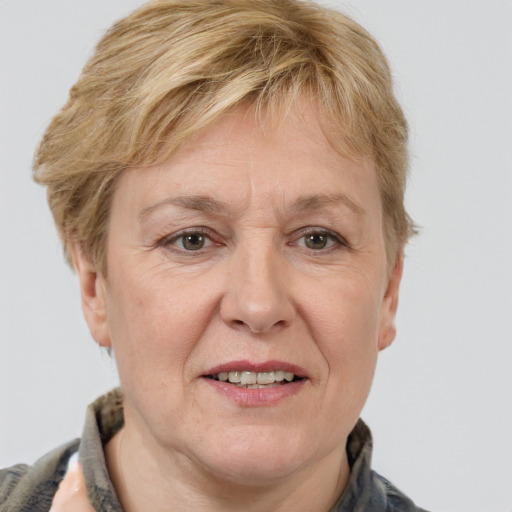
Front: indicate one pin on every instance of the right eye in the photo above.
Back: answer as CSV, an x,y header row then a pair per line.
x,y
189,241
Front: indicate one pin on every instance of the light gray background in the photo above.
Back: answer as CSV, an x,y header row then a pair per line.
x,y
441,407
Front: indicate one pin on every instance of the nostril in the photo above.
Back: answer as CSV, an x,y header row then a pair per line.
x,y
243,308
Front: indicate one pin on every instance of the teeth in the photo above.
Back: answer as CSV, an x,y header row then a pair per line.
x,y
279,376
266,378
256,380
235,376
248,378
288,376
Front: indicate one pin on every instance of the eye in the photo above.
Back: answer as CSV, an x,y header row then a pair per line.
x,y
320,239
317,241
189,240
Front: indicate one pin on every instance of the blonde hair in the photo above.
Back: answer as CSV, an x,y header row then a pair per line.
x,y
174,66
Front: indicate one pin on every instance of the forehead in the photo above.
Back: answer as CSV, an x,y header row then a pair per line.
x,y
278,161
293,133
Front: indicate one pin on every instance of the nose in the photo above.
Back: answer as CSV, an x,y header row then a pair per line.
x,y
258,295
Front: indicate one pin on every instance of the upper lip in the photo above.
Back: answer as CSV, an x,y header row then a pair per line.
x,y
265,366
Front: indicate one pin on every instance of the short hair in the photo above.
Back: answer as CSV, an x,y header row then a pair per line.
x,y
173,66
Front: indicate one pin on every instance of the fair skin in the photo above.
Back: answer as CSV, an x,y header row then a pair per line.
x,y
252,249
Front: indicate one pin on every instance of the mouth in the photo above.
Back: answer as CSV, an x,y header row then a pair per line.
x,y
256,380
252,384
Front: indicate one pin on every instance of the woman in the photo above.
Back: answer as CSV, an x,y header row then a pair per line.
x,y
227,178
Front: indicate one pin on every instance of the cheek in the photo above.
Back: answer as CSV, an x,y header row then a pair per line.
x,y
155,322
345,327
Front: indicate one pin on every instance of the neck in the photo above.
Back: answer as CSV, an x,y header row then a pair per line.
x,y
146,477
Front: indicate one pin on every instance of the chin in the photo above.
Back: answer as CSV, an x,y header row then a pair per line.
x,y
257,457
253,473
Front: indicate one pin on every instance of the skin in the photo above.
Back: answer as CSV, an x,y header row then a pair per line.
x,y
71,495
257,290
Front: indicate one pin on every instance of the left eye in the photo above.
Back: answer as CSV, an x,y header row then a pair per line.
x,y
318,240
191,241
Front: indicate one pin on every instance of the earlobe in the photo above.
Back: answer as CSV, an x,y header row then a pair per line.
x,y
93,295
387,330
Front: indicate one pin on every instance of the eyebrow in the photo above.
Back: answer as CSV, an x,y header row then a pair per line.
x,y
200,203
207,204
316,202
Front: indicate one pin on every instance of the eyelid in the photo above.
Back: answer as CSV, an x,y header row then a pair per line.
x,y
340,241
169,240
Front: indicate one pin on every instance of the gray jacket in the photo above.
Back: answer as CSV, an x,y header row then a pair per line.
x,y
31,488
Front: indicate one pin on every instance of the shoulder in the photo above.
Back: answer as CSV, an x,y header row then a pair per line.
x,y
393,499
26,488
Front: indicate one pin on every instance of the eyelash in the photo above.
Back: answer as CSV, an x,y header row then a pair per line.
x,y
170,240
337,241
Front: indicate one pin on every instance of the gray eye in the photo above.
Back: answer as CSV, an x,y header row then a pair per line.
x,y
193,241
316,241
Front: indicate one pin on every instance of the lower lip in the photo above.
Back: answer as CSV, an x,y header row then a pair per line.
x,y
260,397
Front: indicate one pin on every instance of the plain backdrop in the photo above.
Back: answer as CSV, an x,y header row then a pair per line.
x,y
441,407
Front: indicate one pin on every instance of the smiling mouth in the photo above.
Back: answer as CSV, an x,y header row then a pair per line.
x,y
256,380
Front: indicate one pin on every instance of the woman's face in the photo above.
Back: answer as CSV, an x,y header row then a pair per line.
x,y
252,254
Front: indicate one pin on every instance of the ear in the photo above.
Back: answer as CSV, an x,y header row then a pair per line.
x,y
387,329
93,294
